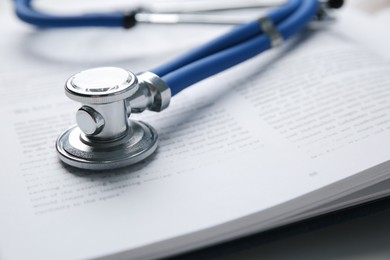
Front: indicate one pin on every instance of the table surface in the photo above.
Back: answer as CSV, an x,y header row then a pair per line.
x,y
363,238
359,232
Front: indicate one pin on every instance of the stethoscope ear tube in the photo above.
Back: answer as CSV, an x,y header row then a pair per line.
x,y
238,35
25,11
128,19
201,67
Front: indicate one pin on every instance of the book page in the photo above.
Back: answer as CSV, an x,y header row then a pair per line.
x,y
274,129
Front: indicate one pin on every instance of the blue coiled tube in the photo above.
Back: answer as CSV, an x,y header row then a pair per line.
x,y
200,69
238,35
27,13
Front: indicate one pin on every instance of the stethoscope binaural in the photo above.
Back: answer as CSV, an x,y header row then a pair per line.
x,y
105,137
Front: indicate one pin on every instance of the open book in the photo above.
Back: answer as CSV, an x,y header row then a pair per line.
x,y
297,132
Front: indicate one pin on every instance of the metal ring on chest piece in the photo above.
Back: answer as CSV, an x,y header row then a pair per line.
x,y
105,137
137,145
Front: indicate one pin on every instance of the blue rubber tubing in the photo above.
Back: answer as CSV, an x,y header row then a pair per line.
x,y
244,42
238,35
220,61
25,11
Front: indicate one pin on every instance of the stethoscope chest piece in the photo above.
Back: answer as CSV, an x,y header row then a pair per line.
x,y
105,137
76,150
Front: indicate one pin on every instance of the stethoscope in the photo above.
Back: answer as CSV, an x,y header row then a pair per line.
x,y
105,137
